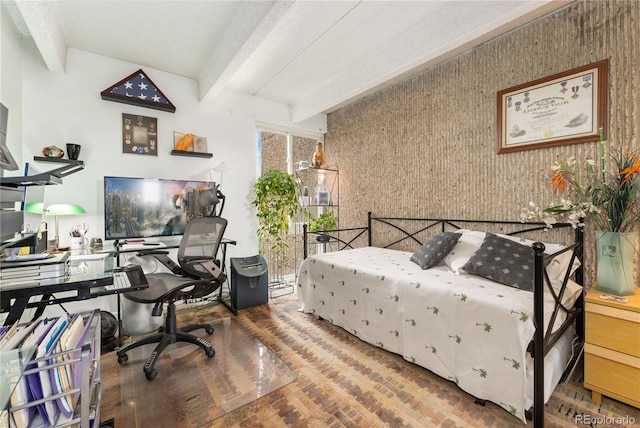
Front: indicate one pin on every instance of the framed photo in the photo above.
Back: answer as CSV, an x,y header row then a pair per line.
x,y
189,143
566,108
139,134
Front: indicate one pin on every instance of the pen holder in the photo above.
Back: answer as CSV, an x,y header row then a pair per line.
x,y
78,242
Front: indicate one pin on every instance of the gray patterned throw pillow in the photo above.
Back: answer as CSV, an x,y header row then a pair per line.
x,y
504,261
435,249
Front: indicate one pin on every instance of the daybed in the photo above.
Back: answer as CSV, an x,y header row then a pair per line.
x,y
467,328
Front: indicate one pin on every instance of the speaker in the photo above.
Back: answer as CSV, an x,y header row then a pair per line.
x,y
249,281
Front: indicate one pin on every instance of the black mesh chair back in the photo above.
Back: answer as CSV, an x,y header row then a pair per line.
x,y
201,240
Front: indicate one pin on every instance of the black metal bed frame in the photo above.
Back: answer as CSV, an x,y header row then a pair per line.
x,y
543,341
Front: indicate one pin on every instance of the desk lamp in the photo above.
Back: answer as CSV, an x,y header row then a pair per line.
x,y
55,210
222,168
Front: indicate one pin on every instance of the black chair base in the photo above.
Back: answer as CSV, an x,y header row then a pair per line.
x,y
166,336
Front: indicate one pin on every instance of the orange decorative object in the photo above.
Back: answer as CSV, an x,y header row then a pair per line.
x,y
185,143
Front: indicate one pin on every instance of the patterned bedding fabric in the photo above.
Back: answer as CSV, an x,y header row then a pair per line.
x,y
464,328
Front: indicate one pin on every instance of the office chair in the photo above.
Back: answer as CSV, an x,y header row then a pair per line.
x,y
197,275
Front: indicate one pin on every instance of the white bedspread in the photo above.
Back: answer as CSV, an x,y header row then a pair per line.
x,y
464,328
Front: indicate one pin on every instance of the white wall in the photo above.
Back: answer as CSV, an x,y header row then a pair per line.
x,y
66,107
11,82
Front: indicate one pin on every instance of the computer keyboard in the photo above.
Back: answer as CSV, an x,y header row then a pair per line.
x,y
80,257
120,280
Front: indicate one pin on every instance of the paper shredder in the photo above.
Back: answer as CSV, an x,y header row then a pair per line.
x,y
249,281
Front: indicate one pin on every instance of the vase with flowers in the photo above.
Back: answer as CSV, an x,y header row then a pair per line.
x,y
609,198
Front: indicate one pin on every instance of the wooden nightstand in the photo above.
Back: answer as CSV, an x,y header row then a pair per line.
x,y
612,348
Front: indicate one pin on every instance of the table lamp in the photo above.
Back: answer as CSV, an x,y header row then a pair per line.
x,y
54,210
222,168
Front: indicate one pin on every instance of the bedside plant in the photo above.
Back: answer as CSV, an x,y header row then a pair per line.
x,y
325,221
276,201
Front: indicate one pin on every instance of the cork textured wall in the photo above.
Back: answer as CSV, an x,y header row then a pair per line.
x,y
426,147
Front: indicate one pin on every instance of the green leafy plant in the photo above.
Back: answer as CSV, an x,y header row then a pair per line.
x,y
276,202
325,221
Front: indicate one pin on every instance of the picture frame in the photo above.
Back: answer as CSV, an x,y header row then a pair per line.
x,y
199,143
565,108
138,90
139,134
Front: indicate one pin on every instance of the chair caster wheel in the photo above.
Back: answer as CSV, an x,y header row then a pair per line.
x,y
209,330
211,353
123,358
150,375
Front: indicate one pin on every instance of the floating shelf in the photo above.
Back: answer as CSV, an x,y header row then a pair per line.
x,y
191,154
57,160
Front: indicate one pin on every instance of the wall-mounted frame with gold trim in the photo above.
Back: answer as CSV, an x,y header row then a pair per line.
x,y
566,108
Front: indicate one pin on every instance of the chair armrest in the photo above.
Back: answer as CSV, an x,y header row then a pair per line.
x,y
208,264
163,257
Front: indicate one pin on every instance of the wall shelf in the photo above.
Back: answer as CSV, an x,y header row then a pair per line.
x,y
58,160
191,154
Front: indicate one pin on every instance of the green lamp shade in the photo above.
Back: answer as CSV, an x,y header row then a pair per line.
x,y
54,209
34,207
64,209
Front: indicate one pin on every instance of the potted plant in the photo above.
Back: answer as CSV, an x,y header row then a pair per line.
x,y
324,222
305,199
276,202
610,199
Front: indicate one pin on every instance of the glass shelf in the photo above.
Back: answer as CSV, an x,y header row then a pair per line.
x,y
12,365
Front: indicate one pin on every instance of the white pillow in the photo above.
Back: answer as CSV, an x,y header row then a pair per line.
x,y
571,294
466,247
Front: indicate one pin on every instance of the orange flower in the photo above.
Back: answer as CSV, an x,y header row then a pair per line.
x,y
558,181
634,169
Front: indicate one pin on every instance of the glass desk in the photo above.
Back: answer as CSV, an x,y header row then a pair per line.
x,y
88,275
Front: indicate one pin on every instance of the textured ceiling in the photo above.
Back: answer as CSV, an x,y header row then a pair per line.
x,y
315,56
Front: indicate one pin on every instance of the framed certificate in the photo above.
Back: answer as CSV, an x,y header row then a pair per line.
x,y
566,108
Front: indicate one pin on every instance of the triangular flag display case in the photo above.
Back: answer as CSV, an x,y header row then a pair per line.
x,y
138,90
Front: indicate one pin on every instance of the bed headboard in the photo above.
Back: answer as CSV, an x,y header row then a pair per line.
x,y
408,233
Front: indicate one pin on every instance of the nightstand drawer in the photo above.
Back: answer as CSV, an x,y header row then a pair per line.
x,y
611,378
613,328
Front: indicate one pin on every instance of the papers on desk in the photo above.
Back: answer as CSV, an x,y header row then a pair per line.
x,y
26,257
54,338
53,268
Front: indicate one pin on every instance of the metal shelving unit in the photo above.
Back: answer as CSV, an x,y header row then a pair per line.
x,y
317,180
87,407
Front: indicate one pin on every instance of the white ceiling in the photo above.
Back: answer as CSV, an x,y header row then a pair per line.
x,y
315,56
